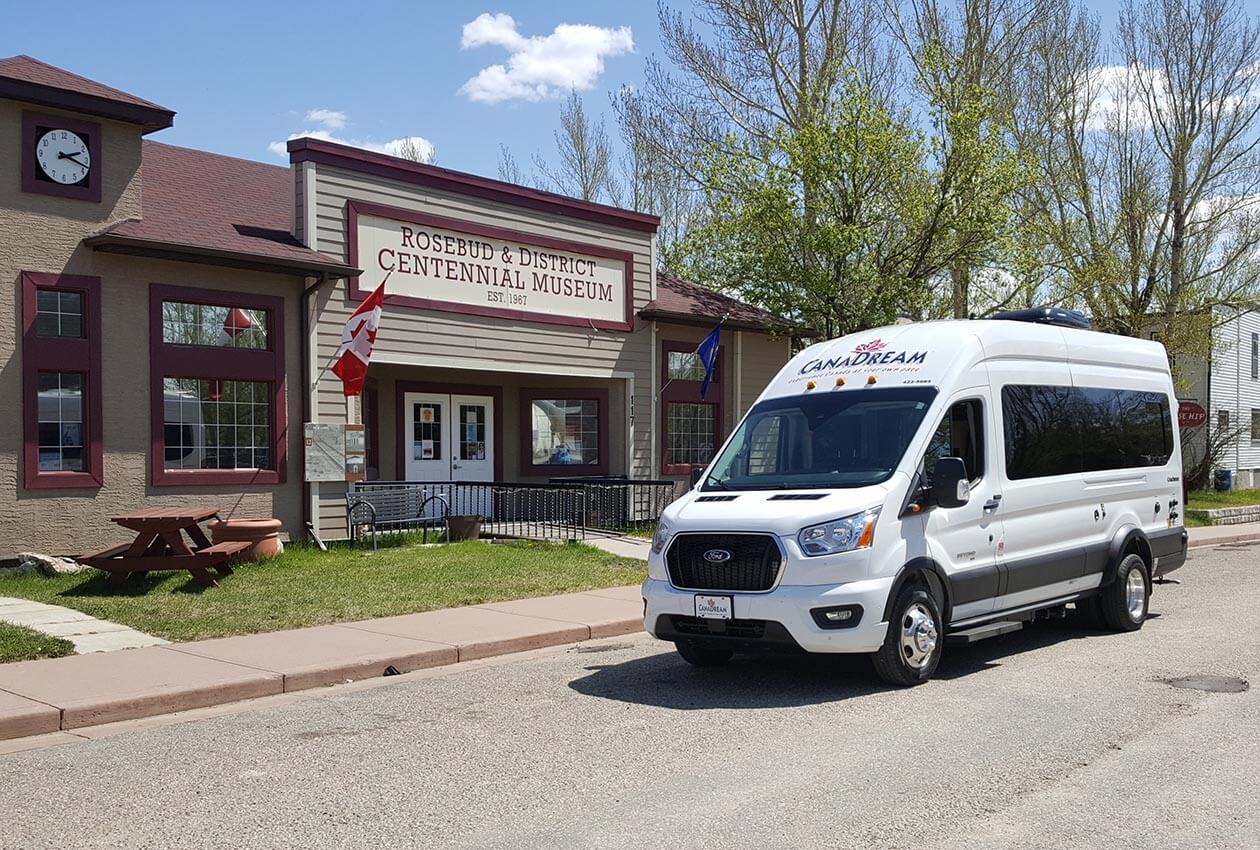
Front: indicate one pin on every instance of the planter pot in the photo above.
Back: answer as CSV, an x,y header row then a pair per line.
x,y
263,535
464,527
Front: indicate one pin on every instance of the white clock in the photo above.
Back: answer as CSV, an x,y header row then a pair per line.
x,y
63,156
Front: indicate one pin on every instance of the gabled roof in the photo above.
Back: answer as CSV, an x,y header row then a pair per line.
x,y
28,79
205,205
679,300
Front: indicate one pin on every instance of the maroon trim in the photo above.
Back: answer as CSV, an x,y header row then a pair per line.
x,y
229,364
59,354
91,131
371,416
688,392
400,418
528,395
433,177
149,118
354,209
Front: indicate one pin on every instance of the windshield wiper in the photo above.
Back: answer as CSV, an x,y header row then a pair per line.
x,y
718,483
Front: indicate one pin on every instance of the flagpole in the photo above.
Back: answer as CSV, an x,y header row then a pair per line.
x,y
337,353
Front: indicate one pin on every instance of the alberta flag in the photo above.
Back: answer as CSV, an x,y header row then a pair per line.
x,y
357,339
708,354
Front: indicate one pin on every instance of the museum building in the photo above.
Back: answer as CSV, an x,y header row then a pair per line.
x,y
172,315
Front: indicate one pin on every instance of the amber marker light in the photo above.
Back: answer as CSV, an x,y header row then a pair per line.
x,y
810,385
868,534
870,380
839,382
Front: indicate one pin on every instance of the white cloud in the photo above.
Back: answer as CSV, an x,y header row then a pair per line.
x,y
1114,96
540,67
329,119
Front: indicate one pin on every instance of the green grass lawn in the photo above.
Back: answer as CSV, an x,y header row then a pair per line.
x,y
18,643
1203,499
305,587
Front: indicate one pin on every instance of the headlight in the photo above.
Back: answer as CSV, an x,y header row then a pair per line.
x,y
661,538
839,535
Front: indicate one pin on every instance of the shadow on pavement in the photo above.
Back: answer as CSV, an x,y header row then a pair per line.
x,y
769,680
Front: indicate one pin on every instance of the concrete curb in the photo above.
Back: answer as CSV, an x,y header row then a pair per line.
x,y
60,694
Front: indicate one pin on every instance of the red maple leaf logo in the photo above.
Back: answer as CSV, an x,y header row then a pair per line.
x,y
873,345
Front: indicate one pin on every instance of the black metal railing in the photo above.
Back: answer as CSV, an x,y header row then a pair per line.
x,y
560,510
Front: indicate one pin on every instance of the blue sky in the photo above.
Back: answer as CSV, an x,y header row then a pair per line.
x,y
243,76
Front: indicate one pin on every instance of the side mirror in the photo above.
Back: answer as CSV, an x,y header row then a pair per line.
x,y
696,473
950,488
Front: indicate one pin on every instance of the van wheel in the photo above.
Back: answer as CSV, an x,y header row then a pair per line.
x,y
1125,601
702,656
912,647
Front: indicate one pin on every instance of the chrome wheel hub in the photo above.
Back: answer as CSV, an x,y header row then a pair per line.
x,y
918,635
1135,594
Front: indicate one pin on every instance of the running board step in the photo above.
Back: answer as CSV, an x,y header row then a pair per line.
x,y
988,630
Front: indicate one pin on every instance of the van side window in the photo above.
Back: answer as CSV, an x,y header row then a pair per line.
x,y
1057,430
960,435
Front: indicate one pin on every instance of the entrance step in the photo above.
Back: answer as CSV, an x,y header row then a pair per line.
x,y
988,630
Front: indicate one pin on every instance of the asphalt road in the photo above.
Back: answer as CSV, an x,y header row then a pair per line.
x,y
1054,737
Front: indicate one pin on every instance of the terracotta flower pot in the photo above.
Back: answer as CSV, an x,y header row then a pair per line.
x,y
464,527
263,535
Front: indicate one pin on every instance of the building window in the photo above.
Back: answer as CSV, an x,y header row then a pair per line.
x,y
691,426
1255,356
1255,425
220,325
58,313
564,432
1222,420
212,424
61,381
684,366
691,430
217,387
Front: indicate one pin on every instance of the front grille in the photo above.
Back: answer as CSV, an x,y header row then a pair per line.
x,y
701,627
753,565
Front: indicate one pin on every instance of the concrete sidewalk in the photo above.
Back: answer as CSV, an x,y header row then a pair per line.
x,y
1215,535
37,697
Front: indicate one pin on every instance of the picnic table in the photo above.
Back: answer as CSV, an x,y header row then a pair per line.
x,y
160,545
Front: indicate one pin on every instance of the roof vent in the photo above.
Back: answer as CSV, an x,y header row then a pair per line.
x,y
1047,316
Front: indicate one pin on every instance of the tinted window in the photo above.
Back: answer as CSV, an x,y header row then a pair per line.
x,y
1058,430
959,435
834,439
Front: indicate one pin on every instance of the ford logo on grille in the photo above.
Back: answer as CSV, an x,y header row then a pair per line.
x,y
717,556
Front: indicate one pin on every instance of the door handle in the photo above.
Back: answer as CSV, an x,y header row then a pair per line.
x,y
993,502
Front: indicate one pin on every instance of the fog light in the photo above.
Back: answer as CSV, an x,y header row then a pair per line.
x,y
837,616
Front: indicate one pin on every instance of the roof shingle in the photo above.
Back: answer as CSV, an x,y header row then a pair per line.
x,y
205,203
26,78
682,300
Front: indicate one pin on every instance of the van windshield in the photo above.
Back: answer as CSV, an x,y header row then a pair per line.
x,y
851,438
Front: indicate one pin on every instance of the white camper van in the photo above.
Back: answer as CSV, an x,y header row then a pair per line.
x,y
898,487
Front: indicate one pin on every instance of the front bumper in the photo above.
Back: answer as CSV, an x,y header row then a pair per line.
x,y
787,606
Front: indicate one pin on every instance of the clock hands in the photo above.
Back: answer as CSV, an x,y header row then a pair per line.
x,y
72,158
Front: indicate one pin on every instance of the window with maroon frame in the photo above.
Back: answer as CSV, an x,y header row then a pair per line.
x,y
217,388
564,432
61,381
691,427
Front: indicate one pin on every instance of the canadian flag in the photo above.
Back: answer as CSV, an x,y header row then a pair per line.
x,y
357,339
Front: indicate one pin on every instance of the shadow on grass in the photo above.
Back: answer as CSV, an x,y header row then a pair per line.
x,y
769,680
137,585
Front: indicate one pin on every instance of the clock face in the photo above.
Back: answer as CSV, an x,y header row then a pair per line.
x,y
63,156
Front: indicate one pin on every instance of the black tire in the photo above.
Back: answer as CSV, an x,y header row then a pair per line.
x,y
895,662
1120,609
702,656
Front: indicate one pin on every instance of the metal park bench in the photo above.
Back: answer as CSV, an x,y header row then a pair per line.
x,y
374,511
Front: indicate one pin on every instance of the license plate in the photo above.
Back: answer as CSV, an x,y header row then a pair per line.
x,y
713,607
